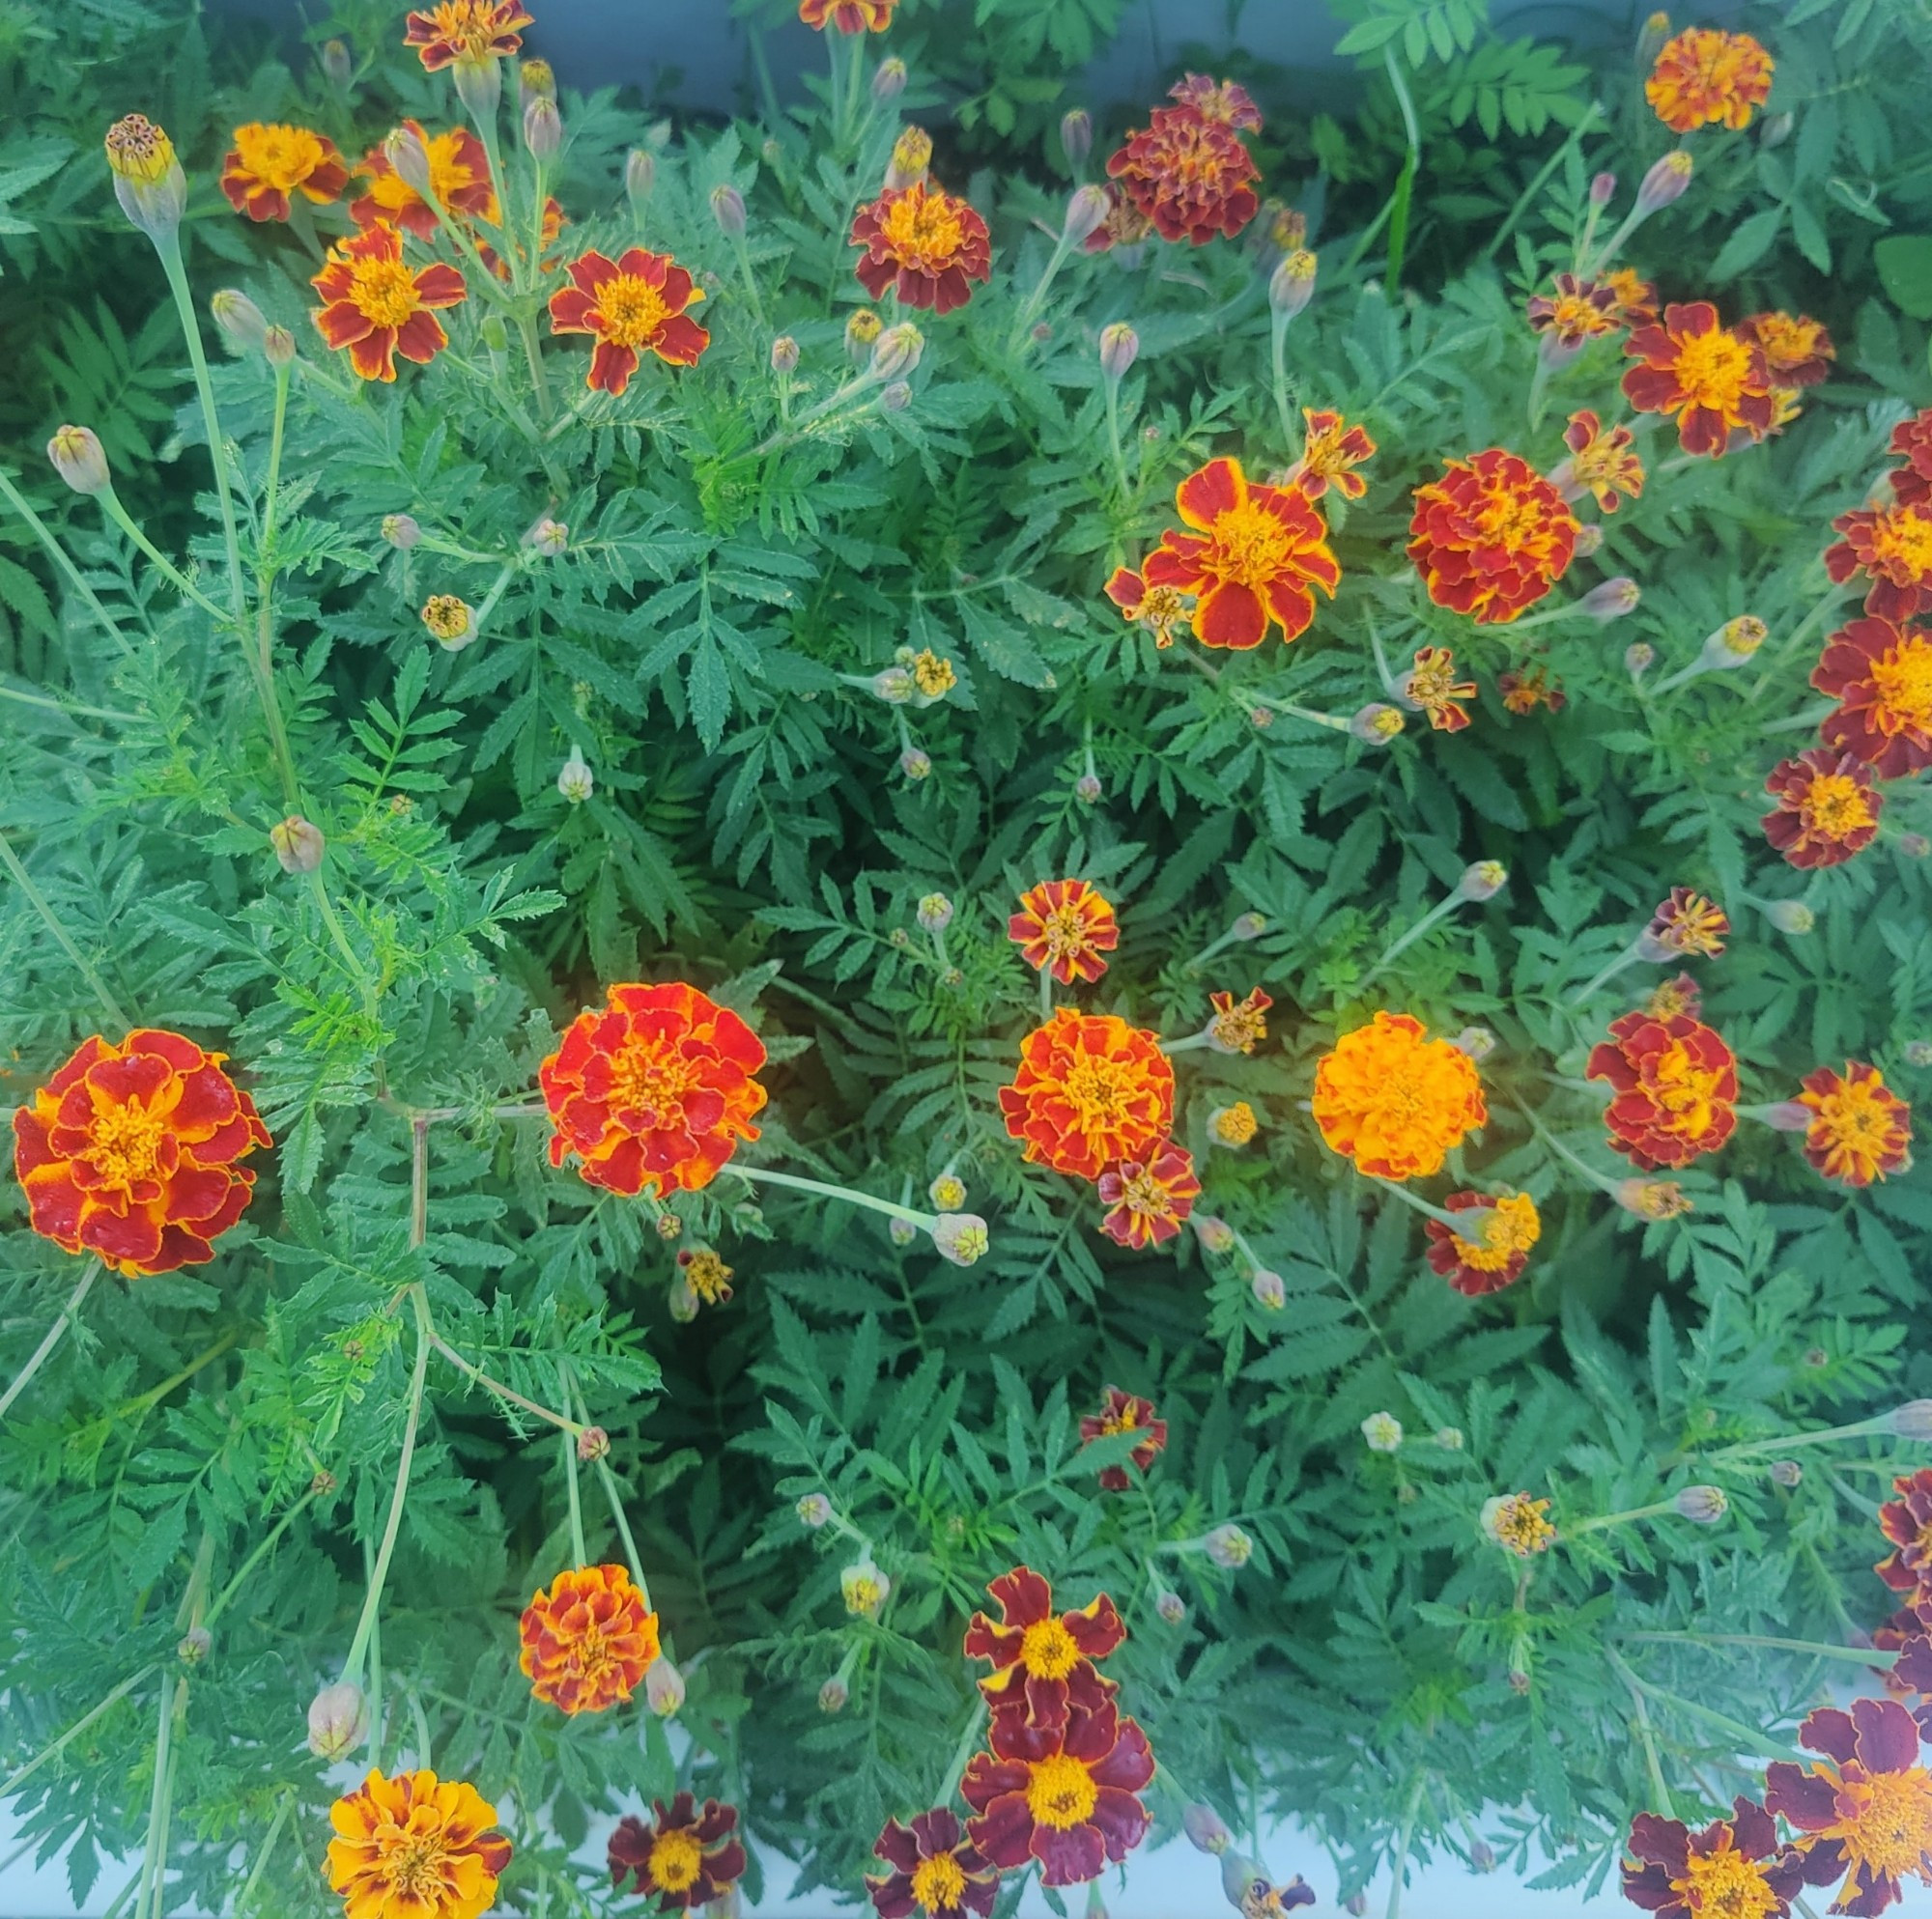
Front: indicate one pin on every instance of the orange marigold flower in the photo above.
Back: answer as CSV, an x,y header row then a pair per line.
x,y
470,31
1491,537
1734,1866
1674,1088
1161,609
1330,455
1893,546
1250,560
1827,809
1124,1412
1704,77
1636,297
587,1638
1524,688
129,1151
1432,686
1394,1100
1221,101
379,308
633,305
653,1089
1881,675
1907,1522
1062,927
686,1856
415,1847
1507,1227
1713,382
1688,924
1237,1026
1091,1089
1864,1809
1148,1198
1044,1661
849,16
1601,462
1578,312
459,176
1860,1130
925,243
1798,351
1189,175
268,163
936,1871
1124,224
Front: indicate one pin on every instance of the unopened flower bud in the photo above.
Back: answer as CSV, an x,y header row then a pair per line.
x,y
912,155
1786,1472
1216,1235
1702,1505
1611,600
406,154
548,537
479,86
1791,916
148,179
1270,1289
1666,181
1776,130
1355,1905
335,64
278,347
664,1687
895,398
901,1232
338,1721
1912,1420
1119,348
543,127
896,351
1913,845
890,81
1383,1432
640,176
297,843
960,1237
593,1444
1589,540
194,1646
832,1695
80,459
1087,789
682,1301
1171,1607
1377,724
1478,1042
1482,1858
1086,211
1602,189
449,620
1248,926
1484,880
1919,1052
575,780
1207,1829
1652,1198
814,1511
785,355
1638,658
242,323
401,531
1732,644
1076,137
537,79
322,1483
1449,1438
1228,1546
1292,285
727,208
865,1588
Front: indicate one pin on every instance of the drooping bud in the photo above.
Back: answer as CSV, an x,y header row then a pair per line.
x,y
1377,724
1248,926
1086,211
664,1687
537,80
241,322
1652,1198
832,1695
861,327
1482,1856
406,154
640,176
298,844
1912,1420
1088,790
1611,600
449,620
1484,880
727,208
1076,137
1786,1472
338,1721
1270,1289
912,155
896,351
1357,1904
593,1444
1791,916
1292,284
1383,1432
401,531
575,780
336,68
148,179
1171,1607
785,355
80,459
1667,182
1602,189
1119,348
543,127
1228,1546
890,81
935,912
1207,1829
961,1238
1216,1235
1702,1505
278,347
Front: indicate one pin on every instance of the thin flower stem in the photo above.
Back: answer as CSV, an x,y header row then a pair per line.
x,y
1404,1839
1602,1181
926,1222
1278,365
1598,1522
1820,1436
1857,1656
1113,387
1627,958
88,598
37,900
110,505
20,1774
614,1495
255,1558
153,1896
1749,1738
1464,1224
265,1851
1331,721
70,707
962,1754
1431,920
1045,996
1641,1713
526,327
1031,305
274,475
568,1426
53,1335
576,1544
1537,183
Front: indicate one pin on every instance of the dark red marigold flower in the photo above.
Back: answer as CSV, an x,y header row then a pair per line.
x,y
1330,453
467,32
1733,1867
683,1857
1190,176
1827,808
1798,351
1219,101
631,306
925,243
1523,690
1674,1089
1688,926
1148,1200
1892,545
1881,675
1576,312
1491,1258
1043,1661
1124,224
936,1870
377,305
1062,927
1126,1412
1679,995
1491,537
1912,443
1714,382
1907,1522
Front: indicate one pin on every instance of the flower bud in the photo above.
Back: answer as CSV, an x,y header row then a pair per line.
x,y
1449,1438
1088,790
1912,1420
1248,926
1919,1052
1913,845
543,127
865,1588
297,843
1228,1546
242,323
1732,644
912,155
814,1511
80,459
1216,1235
1076,137
1382,1431
669,1225
338,1721
1776,130
1477,1042
278,347
960,1237
449,620
640,176
1667,180
785,355
832,1695
1702,1505
537,80
1292,285
664,1687
1786,1472
401,531
727,208
1482,1856
322,1483
1651,36
1086,211
1270,1289
896,397
1611,600
1355,1905
1484,880
479,86
593,1444
901,1232
890,81
336,69
548,537
1791,916
896,351
575,780
947,1191
1119,348
1589,540
681,1300
1652,1198
1207,1829
1602,189
1287,229
148,179
405,153
194,1646
1638,658
1172,1608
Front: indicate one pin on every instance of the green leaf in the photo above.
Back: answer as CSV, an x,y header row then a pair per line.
x,y
1904,263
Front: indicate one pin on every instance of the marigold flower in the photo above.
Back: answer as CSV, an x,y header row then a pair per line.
x,y
1653,1200
1394,1100
849,16
1907,1522
686,1856
1705,77
1043,1661
1713,382
1686,924
129,1152
139,152
1519,1524
587,1638
1250,560
865,1588
1601,462
1432,686
1123,224
1679,995
1189,175
653,1089
632,305
459,177
1124,1412
1161,609
378,307
936,1871
268,163
1578,312
1860,1130
1221,101
1331,454
1062,927
1234,1125
1491,537
466,31
449,620
1893,546
1508,1226
705,1273
1827,808
1674,1088
1798,351
1091,1089
1912,441
925,243
934,676
1881,675
1061,1797
1148,1199
1524,688
1864,1809
1237,1026
1636,297
415,1847
1734,1867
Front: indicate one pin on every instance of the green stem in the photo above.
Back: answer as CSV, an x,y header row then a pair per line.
x,y
110,505
51,921
568,1426
20,1776
1627,958
1113,387
1433,917
153,1896
1404,1839
53,1335
1539,182
352,1667
70,707
264,1851
88,598
526,327
961,1754
926,1222
1660,1790
1278,363
576,1544
1857,1655
274,475
255,1558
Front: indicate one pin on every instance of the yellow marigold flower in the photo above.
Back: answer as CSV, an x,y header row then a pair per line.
x,y
1234,1125
587,1638
465,32
139,152
933,675
706,1274
1515,1522
266,164
1705,77
414,1846
448,619
1238,1026
1394,1100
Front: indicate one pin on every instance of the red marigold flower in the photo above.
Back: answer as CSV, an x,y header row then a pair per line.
x,y
1687,923
1798,351
1674,1088
1158,609
1864,1809
1221,101
1124,1412
1432,686
1190,176
1601,462
1508,1228
633,304
1860,1130
1524,688
470,31
129,1151
1043,1661
379,308
1912,443
1705,77
1124,224
1713,382
417,1844
1395,1101
1250,560
1061,1797
924,243
849,16
459,176
653,1089
554,224
1881,675
1669,997
1907,1522
1062,927
1491,537
1634,295
936,1871
268,163
1893,546
1238,1026
1734,1866
1578,312
1330,455
1091,1089
1827,809
587,1638
683,1857
1148,1198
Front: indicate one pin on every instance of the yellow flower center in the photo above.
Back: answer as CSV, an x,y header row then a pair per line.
x,y
938,1883
1521,1526
1903,539
590,1655
1511,1226
1836,805
1163,609
1512,518
632,310
1240,1028
1890,1831
1859,1123
676,1860
1725,1886
1144,1197
1098,1090
1066,932
137,149
279,156
384,291
922,230
1786,342
1903,677
415,1868
1062,1792
652,1078
935,676
1713,370
1237,1126
1048,1651
1685,1090
708,1276
1248,545
125,1144
1573,313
